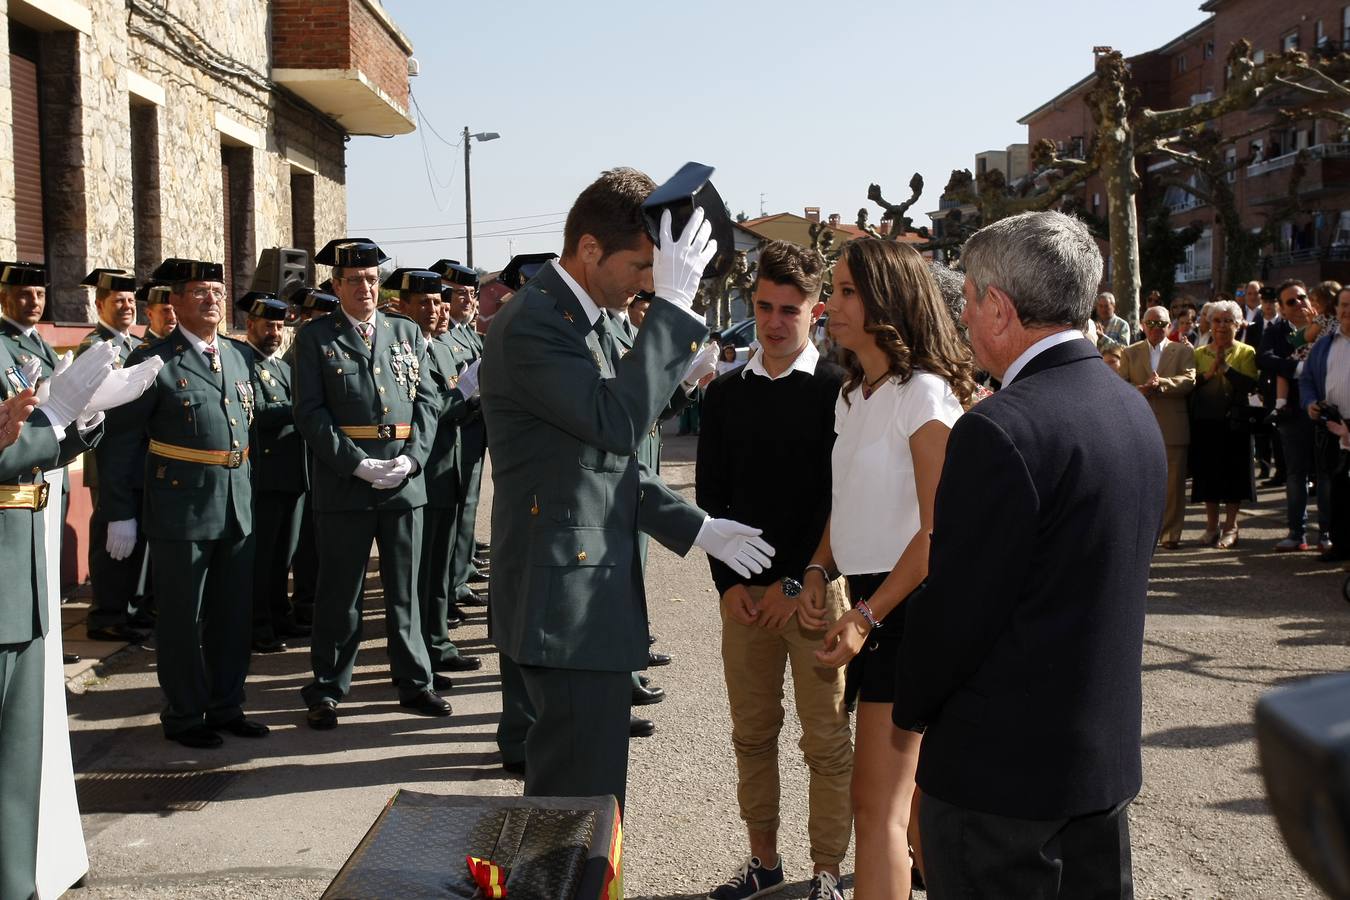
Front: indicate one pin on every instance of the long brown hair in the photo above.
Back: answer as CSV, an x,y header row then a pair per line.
x,y
906,316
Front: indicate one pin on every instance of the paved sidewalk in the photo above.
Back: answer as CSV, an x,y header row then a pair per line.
x,y
1223,628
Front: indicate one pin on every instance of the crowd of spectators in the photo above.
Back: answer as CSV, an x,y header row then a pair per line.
x,y
1245,387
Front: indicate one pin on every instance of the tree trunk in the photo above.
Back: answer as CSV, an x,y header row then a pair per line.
x,y
1121,180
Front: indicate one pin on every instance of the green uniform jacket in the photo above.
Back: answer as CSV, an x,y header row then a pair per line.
x,y
442,469
569,495
278,449
649,454
23,549
338,381
467,345
100,334
190,406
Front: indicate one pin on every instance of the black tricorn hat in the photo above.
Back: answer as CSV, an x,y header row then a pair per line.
x,y
174,270
646,296
23,274
262,305
522,268
111,280
353,253
416,281
153,293
684,190
450,270
312,298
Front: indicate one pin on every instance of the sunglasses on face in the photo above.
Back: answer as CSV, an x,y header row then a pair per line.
x,y
1296,300
1156,323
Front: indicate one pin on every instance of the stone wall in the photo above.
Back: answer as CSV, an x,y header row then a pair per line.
x,y
197,74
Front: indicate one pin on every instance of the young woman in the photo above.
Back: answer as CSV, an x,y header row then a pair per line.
x,y
910,377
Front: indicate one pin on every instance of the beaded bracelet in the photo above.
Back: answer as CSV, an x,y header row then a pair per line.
x,y
862,607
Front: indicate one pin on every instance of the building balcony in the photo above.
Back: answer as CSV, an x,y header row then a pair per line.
x,y
1189,274
1289,258
346,58
1327,170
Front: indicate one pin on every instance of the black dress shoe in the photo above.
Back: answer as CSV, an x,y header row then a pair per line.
x,y
322,715
473,598
269,645
70,659
516,769
651,639
198,736
293,630
441,682
455,621
657,659
459,664
482,548
427,704
640,727
644,696
242,727
480,563
644,681
123,633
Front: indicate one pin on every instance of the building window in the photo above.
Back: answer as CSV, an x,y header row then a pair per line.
x,y
1181,62
145,199
1289,41
1345,25
1258,150
30,233
236,171
302,215
1230,164
1259,57
1208,51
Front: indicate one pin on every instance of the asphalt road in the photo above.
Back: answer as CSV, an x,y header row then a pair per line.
x,y
1223,628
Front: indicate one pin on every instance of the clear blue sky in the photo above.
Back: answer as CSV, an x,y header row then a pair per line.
x,y
803,102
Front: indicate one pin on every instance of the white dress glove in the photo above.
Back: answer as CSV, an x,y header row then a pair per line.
x,y
371,470
703,365
737,545
121,538
32,371
468,380
396,471
677,266
123,386
70,391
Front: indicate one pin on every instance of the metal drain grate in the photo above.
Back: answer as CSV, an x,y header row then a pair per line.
x,y
149,792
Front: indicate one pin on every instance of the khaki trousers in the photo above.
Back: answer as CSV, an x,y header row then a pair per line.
x,y
754,660
1174,513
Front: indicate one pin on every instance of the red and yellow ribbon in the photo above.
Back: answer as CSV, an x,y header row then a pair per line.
x,y
490,877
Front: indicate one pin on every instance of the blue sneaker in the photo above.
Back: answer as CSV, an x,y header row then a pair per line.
x,y
750,880
824,886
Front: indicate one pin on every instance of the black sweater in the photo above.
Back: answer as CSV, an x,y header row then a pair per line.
x,y
764,460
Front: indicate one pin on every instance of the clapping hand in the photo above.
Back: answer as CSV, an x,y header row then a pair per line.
x,y
13,413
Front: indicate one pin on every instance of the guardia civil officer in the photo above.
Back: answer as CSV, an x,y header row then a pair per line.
x,y
280,474
198,508
159,312
419,298
118,598
363,402
565,416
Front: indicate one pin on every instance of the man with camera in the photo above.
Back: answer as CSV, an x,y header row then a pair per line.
x,y
1325,385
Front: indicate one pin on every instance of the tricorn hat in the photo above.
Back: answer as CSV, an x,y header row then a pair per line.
x,y
153,293
111,280
352,253
450,270
173,270
312,298
522,268
416,281
686,189
262,305
23,274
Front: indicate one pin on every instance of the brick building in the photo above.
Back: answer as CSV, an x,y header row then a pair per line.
x,y
134,130
1192,68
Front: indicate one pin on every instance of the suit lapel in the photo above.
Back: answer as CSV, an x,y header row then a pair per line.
x,y
346,333
192,359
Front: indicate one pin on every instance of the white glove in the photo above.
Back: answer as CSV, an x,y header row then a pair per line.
x,y
703,365
71,390
371,470
737,545
123,386
677,266
121,538
468,379
395,473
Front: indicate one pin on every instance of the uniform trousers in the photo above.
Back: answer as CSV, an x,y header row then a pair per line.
x,y
202,643
344,549
114,583
276,527
578,744
976,854
434,590
466,517
517,713
754,659
21,681
1174,512
305,565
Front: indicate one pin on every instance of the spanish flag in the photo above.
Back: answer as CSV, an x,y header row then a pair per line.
x,y
490,877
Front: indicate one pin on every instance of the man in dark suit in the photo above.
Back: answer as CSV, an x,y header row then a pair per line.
x,y
565,417
1022,656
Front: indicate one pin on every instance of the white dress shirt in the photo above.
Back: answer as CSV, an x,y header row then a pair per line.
x,y
588,306
1155,353
1338,374
26,329
805,362
1036,349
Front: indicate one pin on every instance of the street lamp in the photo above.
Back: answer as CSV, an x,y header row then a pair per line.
x,y
468,190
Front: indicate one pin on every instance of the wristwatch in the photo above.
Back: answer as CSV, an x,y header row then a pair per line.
x,y
791,587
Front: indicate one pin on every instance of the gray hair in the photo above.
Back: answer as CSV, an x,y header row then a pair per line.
x,y
1047,262
1228,306
950,284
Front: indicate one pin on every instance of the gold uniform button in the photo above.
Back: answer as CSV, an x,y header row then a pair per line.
x,y
235,443
339,371
581,557
234,421
227,401
174,482
377,370
693,346
386,409
266,450
275,399
381,389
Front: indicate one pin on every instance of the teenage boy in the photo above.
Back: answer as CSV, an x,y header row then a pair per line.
x,y
764,459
